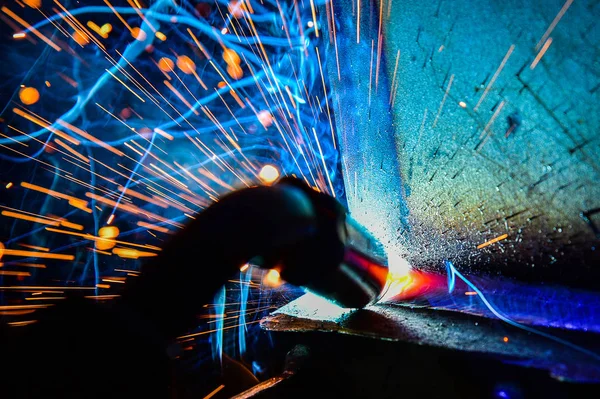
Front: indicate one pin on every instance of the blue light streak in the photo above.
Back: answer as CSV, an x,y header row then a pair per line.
x,y
453,273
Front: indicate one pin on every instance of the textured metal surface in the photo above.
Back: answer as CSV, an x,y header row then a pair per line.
x,y
467,181
486,144
365,133
441,329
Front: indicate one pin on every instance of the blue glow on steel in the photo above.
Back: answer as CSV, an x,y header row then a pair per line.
x,y
219,312
453,272
245,278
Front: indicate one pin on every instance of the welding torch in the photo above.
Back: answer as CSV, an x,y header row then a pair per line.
x,y
305,234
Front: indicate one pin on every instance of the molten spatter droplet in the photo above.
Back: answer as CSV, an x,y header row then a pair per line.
x,y
33,3
138,34
462,104
1,250
166,64
268,174
81,38
272,278
125,113
236,8
106,29
221,84
106,235
130,253
146,132
29,95
108,232
265,118
103,244
231,57
185,64
235,71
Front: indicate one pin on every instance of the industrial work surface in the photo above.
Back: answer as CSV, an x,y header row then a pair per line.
x,y
453,332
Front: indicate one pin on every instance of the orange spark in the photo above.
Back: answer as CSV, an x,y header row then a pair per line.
x,y
33,3
268,174
214,392
231,57
314,15
200,46
555,21
70,225
30,28
138,34
153,227
42,298
272,278
107,235
97,29
29,95
101,297
29,218
163,133
492,241
166,64
108,232
118,15
45,124
265,118
185,64
80,38
76,202
35,247
13,273
74,152
129,253
94,238
541,54
443,101
21,323
33,254
496,74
